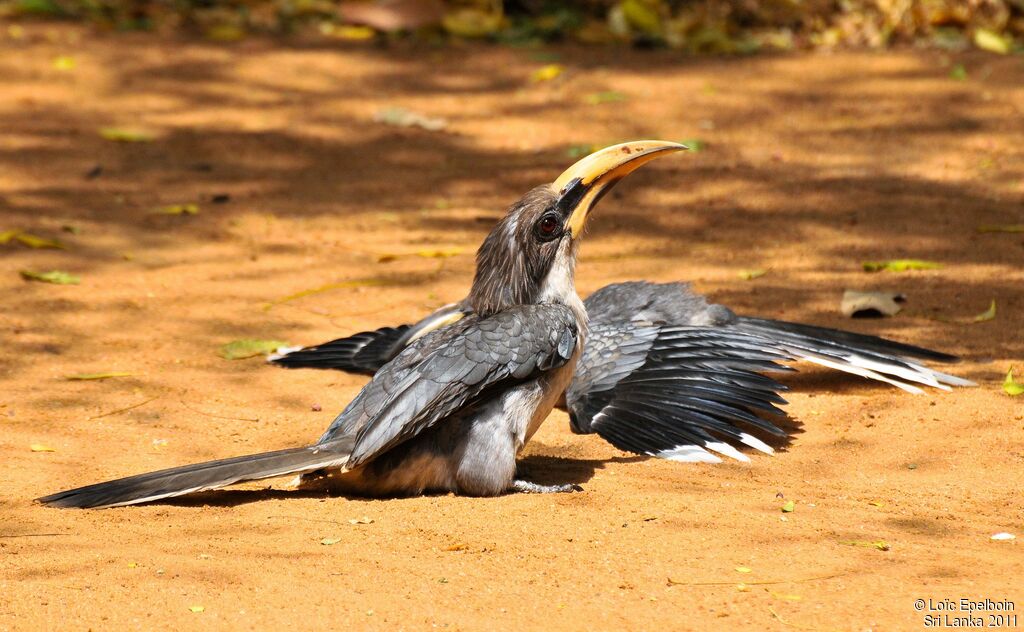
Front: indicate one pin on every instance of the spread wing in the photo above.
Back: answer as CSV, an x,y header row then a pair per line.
x,y
366,351
451,370
676,392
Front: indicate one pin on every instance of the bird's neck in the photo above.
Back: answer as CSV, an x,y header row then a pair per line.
x,y
559,286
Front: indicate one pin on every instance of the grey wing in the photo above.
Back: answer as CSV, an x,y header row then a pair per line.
x,y
667,303
676,392
367,351
450,370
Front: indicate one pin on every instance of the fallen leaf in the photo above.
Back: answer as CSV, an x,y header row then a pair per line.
x,y
177,209
197,608
30,240
225,33
856,304
743,569
958,72
349,32
610,96
458,547
53,276
401,117
1003,536
986,315
240,349
363,520
789,506
876,503
546,73
900,265
127,134
472,23
1011,387
330,541
64,63
39,447
441,253
97,376
1001,228
749,275
991,41
877,544
325,288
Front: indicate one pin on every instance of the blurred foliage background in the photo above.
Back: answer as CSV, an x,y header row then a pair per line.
x,y
695,26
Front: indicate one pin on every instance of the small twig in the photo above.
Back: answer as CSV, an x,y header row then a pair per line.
x,y
30,535
199,412
121,410
672,582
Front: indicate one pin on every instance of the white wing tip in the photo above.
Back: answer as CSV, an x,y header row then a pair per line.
x,y
688,453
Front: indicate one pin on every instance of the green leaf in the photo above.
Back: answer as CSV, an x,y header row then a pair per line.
x,y
177,209
1001,228
958,72
1012,387
97,376
988,314
900,265
53,276
991,41
748,275
609,96
126,135
789,506
240,349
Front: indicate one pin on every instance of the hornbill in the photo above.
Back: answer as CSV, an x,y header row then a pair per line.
x,y
665,373
452,410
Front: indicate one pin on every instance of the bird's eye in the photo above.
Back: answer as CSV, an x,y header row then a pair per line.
x,y
548,227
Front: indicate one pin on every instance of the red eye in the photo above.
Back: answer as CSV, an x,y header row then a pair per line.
x,y
547,226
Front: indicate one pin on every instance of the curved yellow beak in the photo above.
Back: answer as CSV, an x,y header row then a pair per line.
x,y
582,185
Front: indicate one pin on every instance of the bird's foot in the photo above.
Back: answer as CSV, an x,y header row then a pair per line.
x,y
526,487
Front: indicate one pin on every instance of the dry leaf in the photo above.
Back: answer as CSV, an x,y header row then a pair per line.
x,y
991,41
986,315
97,376
64,63
53,276
177,209
363,520
197,608
900,265
877,544
330,541
749,275
870,304
39,447
30,240
546,73
348,32
789,507
1001,228
441,253
1010,386
401,117
609,96
473,23
127,134
743,569
241,349
458,547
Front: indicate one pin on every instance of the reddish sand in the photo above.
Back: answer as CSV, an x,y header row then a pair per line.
x,y
812,164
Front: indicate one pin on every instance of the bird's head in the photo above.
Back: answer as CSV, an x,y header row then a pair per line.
x,y
530,255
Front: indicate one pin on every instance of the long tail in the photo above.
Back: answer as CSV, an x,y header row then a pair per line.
x,y
178,481
364,352
867,356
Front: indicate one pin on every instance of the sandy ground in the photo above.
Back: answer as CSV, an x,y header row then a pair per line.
x,y
812,164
